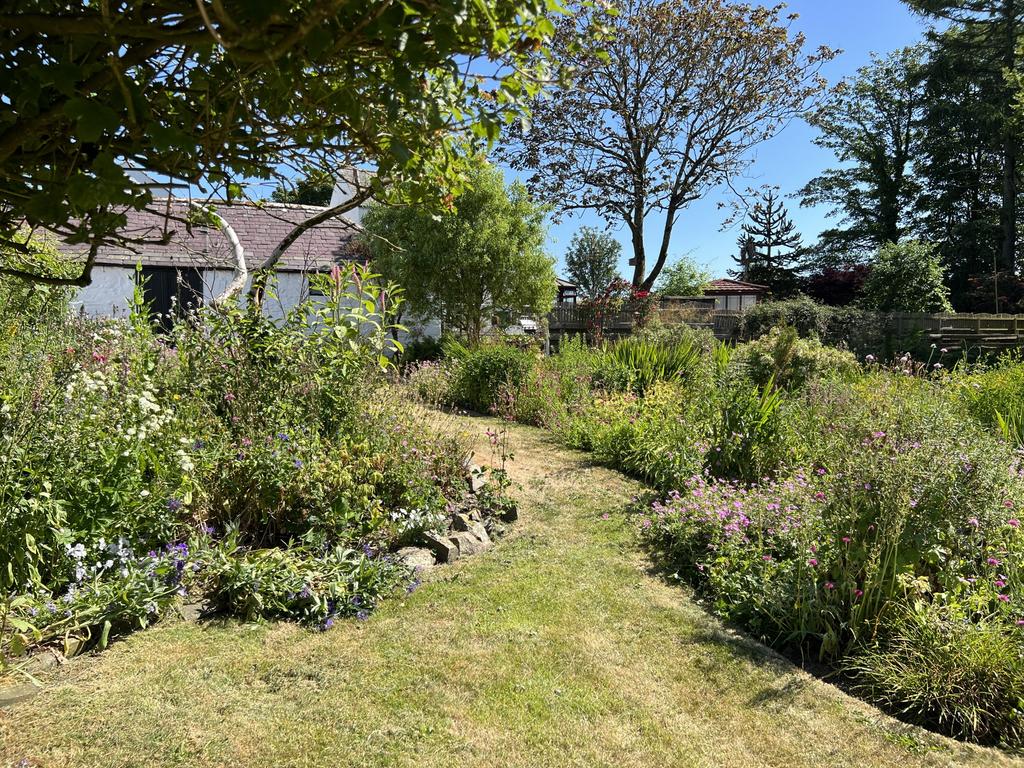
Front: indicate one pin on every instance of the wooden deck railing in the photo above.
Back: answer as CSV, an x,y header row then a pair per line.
x,y
572,318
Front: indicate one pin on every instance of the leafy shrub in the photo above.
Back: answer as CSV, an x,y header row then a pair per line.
x,y
421,350
747,440
489,370
313,587
995,396
117,441
907,277
904,500
661,437
786,360
856,329
431,382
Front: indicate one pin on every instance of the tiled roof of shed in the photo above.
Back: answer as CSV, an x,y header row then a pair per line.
x,y
260,228
734,286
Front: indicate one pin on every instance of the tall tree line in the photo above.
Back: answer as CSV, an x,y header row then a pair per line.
x,y
928,140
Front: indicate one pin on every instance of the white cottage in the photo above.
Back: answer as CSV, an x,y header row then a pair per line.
x,y
196,262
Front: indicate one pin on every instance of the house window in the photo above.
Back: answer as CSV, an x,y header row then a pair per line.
x,y
171,292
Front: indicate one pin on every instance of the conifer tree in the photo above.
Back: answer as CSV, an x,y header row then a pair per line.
x,y
769,246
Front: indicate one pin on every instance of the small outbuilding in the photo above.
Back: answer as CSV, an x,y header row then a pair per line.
x,y
567,292
184,264
734,295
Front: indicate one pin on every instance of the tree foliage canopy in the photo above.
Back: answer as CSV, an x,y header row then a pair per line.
x,y
461,267
313,187
683,277
871,121
592,261
906,277
986,35
665,112
216,93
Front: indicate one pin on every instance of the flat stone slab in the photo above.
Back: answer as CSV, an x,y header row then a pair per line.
x,y
417,557
11,696
476,479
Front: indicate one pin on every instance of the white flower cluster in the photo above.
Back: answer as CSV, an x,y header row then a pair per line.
x,y
115,554
417,520
95,381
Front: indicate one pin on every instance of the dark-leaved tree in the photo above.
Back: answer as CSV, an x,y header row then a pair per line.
x,y
314,186
986,35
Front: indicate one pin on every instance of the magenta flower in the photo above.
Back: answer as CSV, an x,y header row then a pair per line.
x,y
993,562
813,562
1013,522
829,585
973,522
847,539
1004,598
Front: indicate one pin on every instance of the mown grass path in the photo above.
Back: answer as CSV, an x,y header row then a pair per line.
x,y
555,648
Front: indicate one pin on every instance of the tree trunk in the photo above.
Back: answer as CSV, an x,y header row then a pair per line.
x,y
639,254
259,282
1008,213
666,238
241,272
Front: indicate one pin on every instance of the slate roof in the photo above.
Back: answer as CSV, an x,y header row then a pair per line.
x,y
733,286
259,228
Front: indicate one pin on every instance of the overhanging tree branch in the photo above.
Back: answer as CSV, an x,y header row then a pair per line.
x,y
263,272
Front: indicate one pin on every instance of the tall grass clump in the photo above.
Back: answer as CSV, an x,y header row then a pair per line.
x,y
642,363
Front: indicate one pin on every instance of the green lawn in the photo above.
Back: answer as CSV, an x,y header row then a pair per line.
x,y
556,648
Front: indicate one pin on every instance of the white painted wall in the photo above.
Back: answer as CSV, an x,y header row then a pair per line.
x,y
343,190
109,294
111,290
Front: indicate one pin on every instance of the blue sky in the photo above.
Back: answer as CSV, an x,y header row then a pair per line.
x,y
858,27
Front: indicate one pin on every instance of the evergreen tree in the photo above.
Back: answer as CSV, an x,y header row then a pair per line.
x,y
769,246
988,34
960,162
